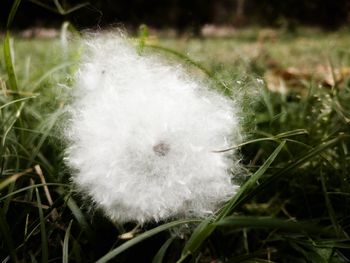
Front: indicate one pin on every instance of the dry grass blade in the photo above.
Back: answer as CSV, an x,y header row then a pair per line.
x,y
54,213
13,178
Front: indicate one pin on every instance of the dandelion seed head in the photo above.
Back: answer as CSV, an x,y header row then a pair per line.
x,y
142,135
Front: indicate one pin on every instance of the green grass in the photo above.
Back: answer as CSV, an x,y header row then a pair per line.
x,y
293,206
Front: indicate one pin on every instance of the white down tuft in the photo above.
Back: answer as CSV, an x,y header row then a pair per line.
x,y
142,133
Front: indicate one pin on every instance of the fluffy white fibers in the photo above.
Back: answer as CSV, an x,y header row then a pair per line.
x,y
142,133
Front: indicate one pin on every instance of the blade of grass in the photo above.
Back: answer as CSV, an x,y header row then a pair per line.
x,y
58,9
143,34
159,257
79,216
77,7
251,183
15,145
329,206
142,237
36,223
40,173
12,13
31,187
76,251
45,133
305,157
66,12
206,227
47,7
271,138
324,243
266,222
16,118
32,131
17,100
199,235
291,133
13,178
65,254
191,62
9,63
77,213
267,100
302,159
11,182
49,74
182,57
6,205
18,114
44,244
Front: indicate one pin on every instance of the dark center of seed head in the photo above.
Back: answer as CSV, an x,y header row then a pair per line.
x,y
161,149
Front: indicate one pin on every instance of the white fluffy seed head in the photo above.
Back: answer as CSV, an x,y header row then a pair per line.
x,y
142,133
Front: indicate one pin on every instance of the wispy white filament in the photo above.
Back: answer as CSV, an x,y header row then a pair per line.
x,y
142,135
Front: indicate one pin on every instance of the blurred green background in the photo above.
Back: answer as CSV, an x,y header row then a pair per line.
x,y
181,14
